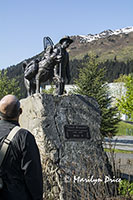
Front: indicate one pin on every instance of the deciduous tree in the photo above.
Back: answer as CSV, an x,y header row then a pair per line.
x,y
8,86
125,104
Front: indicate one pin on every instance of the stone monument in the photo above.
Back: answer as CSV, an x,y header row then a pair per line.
x,y
66,128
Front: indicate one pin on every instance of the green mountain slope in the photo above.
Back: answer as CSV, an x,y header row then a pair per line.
x,y
120,46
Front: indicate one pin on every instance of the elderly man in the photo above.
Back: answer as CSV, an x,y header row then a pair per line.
x,y
21,170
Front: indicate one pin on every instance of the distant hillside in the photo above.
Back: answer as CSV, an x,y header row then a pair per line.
x,y
114,50
106,45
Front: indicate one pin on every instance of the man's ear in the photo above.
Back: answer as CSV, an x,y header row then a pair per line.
x,y
20,111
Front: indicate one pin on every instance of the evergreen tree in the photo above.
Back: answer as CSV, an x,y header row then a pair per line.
x,y
91,82
8,86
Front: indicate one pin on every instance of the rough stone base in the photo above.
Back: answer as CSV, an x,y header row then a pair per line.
x,y
73,169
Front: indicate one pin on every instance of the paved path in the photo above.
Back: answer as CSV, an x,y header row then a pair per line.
x,y
123,161
119,142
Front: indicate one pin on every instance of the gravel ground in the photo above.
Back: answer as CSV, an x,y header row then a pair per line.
x,y
123,162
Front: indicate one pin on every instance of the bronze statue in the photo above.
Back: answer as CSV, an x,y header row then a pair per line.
x,y
38,71
30,70
53,66
62,69
46,67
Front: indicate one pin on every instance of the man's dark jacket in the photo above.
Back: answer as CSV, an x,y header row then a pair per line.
x,y
21,170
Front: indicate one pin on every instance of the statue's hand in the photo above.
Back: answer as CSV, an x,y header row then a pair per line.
x,y
56,79
58,58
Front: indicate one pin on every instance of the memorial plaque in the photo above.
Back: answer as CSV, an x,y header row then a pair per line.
x,y
77,131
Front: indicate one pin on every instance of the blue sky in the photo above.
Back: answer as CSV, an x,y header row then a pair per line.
x,y
24,23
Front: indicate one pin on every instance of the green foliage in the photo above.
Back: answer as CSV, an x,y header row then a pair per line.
x,y
8,86
121,78
125,104
113,68
125,188
91,82
49,91
124,128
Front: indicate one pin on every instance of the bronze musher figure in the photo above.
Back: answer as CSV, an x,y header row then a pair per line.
x,y
53,66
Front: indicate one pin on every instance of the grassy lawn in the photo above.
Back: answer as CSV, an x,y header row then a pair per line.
x,y
117,151
125,129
